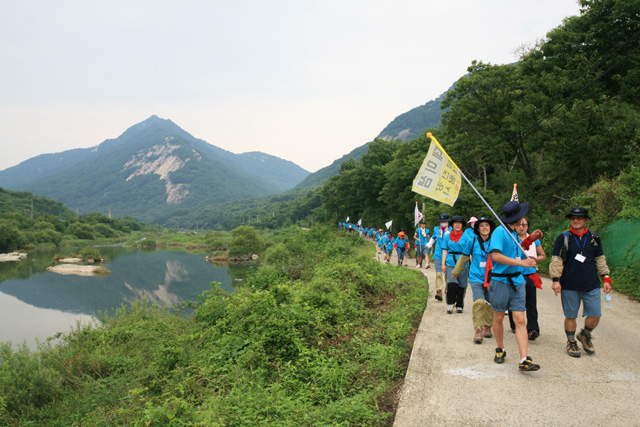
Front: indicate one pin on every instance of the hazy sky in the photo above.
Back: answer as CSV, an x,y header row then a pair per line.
x,y
304,80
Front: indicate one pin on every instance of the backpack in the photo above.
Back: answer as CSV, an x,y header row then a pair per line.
x,y
595,240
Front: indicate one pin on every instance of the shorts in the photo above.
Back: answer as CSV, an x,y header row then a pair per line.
x,y
401,254
388,251
479,291
438,265
591,306
503,297
421,250
461,280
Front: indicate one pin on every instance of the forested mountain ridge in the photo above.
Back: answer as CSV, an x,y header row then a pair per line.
x,y
406,126
153,169
562,123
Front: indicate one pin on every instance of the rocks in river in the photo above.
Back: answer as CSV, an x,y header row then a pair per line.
x,y
13,256
70,260
79,270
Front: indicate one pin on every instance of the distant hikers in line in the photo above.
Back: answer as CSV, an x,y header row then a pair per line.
x,y
499,263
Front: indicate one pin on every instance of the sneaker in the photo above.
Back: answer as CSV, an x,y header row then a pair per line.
x,y
428,266
450,308
477,338
528,365
585,340
500,355
459,309
418,266
439,295
572,348
487,332
533,335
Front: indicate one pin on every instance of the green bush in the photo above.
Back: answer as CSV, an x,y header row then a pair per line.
x,y
90,254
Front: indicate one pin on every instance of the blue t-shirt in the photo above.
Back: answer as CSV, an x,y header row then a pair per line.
x,y
531,270
387,242
501,242
469,233
423,236
454,249
437,251
400,242
478,258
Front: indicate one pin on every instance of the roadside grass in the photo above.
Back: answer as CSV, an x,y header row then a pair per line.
x,y
320,334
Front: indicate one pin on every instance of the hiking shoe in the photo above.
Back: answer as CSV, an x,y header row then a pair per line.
x,y
439,295
528,365
500,355
487,332
585,340
533,335
428,266
572,348
450,308
459,309
477,338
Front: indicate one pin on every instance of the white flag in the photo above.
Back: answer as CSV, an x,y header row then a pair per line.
x,y
514,195
417,215
388,224
360,222
347,218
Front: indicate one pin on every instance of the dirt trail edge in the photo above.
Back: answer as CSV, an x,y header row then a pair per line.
x,y
453,381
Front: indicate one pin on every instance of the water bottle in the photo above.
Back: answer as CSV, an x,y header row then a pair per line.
x,y
607,300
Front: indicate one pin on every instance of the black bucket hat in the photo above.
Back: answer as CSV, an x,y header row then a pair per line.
x,y
513,211
444,217
579,211
458,218
476,226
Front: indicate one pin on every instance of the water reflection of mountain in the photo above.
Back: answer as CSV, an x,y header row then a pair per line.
x,y
165,278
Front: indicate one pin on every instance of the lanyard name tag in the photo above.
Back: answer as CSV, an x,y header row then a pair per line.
x,y
580,258
483,264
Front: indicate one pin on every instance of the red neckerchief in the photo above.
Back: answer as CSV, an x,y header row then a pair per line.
x,y
578,234
455,235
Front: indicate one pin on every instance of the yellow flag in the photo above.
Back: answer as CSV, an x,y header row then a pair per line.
x,y
439,177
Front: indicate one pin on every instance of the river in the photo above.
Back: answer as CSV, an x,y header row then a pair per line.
x,y
36,304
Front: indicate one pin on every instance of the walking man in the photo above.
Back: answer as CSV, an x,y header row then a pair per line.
x,y
421,237
577,261
439,234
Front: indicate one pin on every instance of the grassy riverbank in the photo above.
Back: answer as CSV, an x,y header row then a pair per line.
x,y
318,335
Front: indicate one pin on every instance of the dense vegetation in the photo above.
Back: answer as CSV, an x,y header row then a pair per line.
x,y
317,336
563,123
50,222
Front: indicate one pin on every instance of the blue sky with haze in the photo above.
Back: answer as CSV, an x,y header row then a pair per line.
x,y
307,81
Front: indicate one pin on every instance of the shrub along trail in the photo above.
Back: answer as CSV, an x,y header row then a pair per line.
x,y
453,381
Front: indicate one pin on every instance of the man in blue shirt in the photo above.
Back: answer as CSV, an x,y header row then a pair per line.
x,y
422,238
506,288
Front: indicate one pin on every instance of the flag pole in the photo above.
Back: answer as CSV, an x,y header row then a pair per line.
x,y
494,214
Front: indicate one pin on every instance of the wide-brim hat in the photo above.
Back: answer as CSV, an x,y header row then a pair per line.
x,y
458,218
472,220
578,211
476,226
444,217
513,211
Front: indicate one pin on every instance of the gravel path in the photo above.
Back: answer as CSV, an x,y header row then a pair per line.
x,y
453,381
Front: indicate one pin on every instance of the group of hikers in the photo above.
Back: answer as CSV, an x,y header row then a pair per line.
x,y
499,263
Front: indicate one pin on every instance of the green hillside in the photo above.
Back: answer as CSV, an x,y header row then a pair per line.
x,y
153,170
